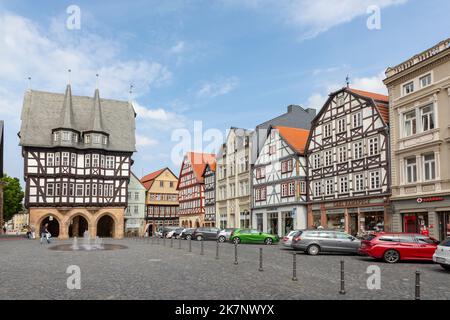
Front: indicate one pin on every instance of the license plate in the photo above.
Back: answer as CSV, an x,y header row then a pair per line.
x,y
440,260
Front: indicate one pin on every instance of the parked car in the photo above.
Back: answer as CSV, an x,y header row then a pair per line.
x,y
287,239
205,233
187,233
394,247
442,254
253,236
176,233
316,241
225,234
164,231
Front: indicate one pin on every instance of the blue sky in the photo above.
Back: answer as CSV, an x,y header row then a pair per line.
x,y
224,63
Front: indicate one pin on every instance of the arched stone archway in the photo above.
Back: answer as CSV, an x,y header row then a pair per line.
x,y
53,226
106,227
197,224
78,225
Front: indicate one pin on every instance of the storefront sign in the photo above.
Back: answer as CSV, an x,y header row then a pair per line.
x,y
371,209
429,199
351,203
335,211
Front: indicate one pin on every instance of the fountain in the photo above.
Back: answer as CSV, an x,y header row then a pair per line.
x,y
86,244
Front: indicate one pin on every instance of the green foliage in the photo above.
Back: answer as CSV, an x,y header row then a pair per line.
x,y
12,197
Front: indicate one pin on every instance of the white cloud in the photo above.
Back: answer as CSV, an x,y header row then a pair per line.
x,y
143,141
46,55
371,84
315,17
160,118
178,47
217,88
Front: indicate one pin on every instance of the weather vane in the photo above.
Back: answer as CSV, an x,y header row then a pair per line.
x,y
347,80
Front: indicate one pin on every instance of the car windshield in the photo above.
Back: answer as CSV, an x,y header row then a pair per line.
x,y
445,243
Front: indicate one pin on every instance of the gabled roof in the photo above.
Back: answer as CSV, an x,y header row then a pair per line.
x,y
44,111
381,101
199,161
294,137
132,173
148,180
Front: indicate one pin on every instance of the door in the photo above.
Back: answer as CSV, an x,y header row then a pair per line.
x,y
255,237
410,224
408,247
346,243
327,241
426,248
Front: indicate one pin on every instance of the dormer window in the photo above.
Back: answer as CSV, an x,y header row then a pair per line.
x,y
74,138
96,138
55,136
66,136
87,139
105,140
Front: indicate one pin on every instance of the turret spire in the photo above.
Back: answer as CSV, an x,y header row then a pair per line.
x,y
67,110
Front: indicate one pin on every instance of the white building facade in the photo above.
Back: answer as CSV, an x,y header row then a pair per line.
x,y
279,182
135,212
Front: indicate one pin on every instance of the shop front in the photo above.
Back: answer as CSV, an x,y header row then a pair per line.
x,y
425,215
356,217
280,220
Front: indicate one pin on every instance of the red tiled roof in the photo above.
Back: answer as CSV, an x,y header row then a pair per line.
x,y
371,95
382,107
199,161
296,138
147,180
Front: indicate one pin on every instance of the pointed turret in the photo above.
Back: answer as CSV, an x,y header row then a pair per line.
x,y
66,121
97,122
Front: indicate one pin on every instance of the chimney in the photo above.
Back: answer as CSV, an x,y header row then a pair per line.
x,y
291,108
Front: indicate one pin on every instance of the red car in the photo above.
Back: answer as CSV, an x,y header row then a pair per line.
x,y
393,247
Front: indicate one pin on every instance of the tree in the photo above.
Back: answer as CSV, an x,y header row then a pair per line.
x,y
12,197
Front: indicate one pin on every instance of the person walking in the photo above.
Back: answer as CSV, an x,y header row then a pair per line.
x,y
45,233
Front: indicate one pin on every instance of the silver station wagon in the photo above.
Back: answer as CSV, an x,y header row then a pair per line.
x,y
315,241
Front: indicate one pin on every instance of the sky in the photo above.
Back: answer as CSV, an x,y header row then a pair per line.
x,y
199,67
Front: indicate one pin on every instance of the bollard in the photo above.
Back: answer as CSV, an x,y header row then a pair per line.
x,y
190,245
171,242
417,295
235,254
294,266
260,259
217,250
153,239
164,240
157,240
179,243
201,247
342,291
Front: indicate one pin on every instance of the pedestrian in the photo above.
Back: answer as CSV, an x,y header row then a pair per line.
x,y
28,232
45,234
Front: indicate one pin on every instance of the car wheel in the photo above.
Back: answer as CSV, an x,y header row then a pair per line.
x,y
446,267
188,237
268,241
391,256
237,240
199,238
313,250
222,239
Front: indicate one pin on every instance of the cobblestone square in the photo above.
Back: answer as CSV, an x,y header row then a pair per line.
x,y
144,270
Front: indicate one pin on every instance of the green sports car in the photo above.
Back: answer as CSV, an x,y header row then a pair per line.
x,y
253,236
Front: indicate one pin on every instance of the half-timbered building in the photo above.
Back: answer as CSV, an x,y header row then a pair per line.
x,y
279,182
348,163
162,199
209,177
77,157
191,187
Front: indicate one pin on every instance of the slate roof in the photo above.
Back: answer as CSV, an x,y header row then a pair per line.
x,y
44,111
